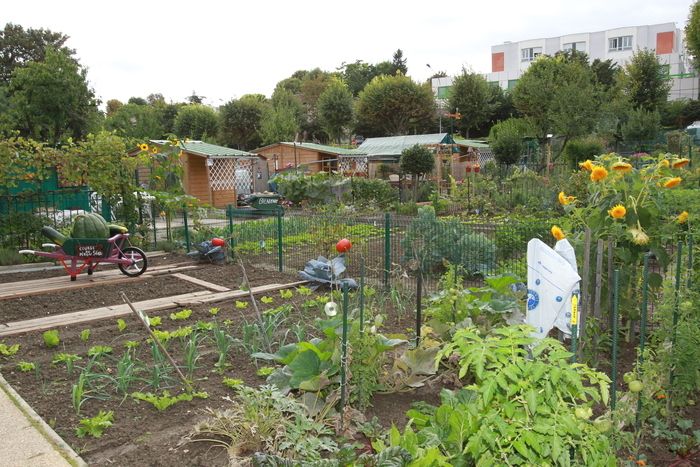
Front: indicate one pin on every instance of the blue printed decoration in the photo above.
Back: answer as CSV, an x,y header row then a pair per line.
x,y
538,282
533,299
559,299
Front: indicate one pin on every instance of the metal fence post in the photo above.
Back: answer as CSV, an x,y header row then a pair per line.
x,y
387,248
676,295
229,216
279,240
153,221
642,332
344,355
187,229
613,330
106,209
419,304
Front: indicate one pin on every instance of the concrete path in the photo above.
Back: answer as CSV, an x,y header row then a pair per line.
x,y
27,441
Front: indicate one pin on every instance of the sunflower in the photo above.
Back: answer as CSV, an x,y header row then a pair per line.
x,y
621,166
682,217
564,200
598,174
154,150
558,233
664,163
588,165
143,147
617,212
678,163
639,237
671,182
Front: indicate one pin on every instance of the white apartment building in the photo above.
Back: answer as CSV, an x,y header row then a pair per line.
x,y
511,59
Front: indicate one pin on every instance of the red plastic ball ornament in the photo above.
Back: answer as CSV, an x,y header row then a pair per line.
x,y
343,245
218,241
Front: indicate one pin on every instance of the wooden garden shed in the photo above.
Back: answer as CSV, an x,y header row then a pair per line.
x,y
216,174
313,158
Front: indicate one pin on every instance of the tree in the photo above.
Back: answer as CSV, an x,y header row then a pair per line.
x,y
605,71
241,121
558,95
335,106
112,106
506,139
137,100
19,47
470,94
416,161
357,75
642,125
398,63
141,122
196,121
279,124
644,81
155,99
195,99
692,34
52,100
395,105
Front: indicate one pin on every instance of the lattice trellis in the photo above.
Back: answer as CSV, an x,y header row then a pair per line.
x,y
222,174
353,165
244,184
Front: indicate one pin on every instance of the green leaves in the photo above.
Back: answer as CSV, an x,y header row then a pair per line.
x,y
96,425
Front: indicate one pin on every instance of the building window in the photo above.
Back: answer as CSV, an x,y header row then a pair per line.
x,y
619,43
579,46
528,55
494,84
512,83
443,92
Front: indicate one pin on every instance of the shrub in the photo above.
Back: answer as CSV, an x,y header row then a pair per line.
x,y
369,192
431,241
580,149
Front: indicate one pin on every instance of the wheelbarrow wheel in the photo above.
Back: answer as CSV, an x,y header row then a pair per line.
x,y
138,259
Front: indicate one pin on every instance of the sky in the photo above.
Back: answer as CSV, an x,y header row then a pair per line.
x,y
224,49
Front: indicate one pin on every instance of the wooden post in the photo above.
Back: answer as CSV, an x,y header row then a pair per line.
x,y
600,248
585,294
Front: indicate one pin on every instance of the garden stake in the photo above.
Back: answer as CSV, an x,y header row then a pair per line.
x,y
279,239
454,304
229,214
362,294
419,291
690,260
252,298
142,317
642,333
574,326
613,330
676,296
387,248
344,356
187,229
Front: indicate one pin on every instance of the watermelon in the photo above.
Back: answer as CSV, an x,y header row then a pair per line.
x,y
115,229
89,225
54,235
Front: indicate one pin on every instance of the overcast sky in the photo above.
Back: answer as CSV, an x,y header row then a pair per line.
x,y
224,49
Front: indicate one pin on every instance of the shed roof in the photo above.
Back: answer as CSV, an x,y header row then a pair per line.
x,y
472,143
394,145
333,150
200,148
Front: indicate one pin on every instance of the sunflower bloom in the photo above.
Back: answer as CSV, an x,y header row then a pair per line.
x,y
664,163
598,174
672,182
621,166
678,163
682,217
639,237
587,165
154,150
143,147
558,233
617,212
564,200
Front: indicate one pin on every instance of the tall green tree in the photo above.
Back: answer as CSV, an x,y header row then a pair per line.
x,y
279,124
197,121
51,100
141,122
335,109
398,63
417,161
18,47
470,94
394,105
357,75
641,126
558,96
507,139
241,120
692,34
644,82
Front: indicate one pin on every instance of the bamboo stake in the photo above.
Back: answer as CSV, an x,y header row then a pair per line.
x,y
143,318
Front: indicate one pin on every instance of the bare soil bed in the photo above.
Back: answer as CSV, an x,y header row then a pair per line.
x,y
140,434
